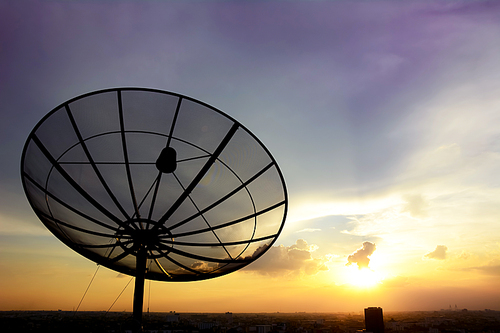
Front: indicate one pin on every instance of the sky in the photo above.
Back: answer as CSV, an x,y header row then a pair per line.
x,y
384,117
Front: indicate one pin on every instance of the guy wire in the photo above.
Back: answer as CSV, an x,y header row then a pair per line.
x,y
85,293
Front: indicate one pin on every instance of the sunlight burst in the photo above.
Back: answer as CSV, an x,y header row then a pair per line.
x,y
363,277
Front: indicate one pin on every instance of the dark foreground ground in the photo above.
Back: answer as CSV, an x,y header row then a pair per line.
x,y
459,321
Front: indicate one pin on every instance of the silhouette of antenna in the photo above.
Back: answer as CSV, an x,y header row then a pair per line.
x,y
154,184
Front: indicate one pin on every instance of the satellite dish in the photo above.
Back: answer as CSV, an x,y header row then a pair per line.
x,y
154,184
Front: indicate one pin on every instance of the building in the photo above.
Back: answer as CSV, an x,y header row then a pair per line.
x,y
229,317
374,320
173,317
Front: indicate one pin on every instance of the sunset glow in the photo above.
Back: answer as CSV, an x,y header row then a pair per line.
x,y
384,117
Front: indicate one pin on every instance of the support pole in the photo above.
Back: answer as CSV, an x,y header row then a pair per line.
x,y
140,274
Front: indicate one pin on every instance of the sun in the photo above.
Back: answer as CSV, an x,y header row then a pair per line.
x,y
363,278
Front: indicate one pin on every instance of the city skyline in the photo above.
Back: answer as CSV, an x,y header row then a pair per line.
x,y
384,117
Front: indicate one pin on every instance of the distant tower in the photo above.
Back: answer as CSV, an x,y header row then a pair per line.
x,y
374,320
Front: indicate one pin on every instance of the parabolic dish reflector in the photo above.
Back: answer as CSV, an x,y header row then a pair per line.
x,y
121,171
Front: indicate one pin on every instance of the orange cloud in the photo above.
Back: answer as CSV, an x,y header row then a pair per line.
x,y
361,256
439,253
286,260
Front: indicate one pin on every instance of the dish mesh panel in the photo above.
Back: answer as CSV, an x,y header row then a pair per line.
x,y
89,173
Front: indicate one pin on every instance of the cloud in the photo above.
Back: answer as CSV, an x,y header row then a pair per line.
x,y
201,266
415,205
464,255
489,269
439,253
361,256
20,223
287,260
302,245
307,230
492,268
